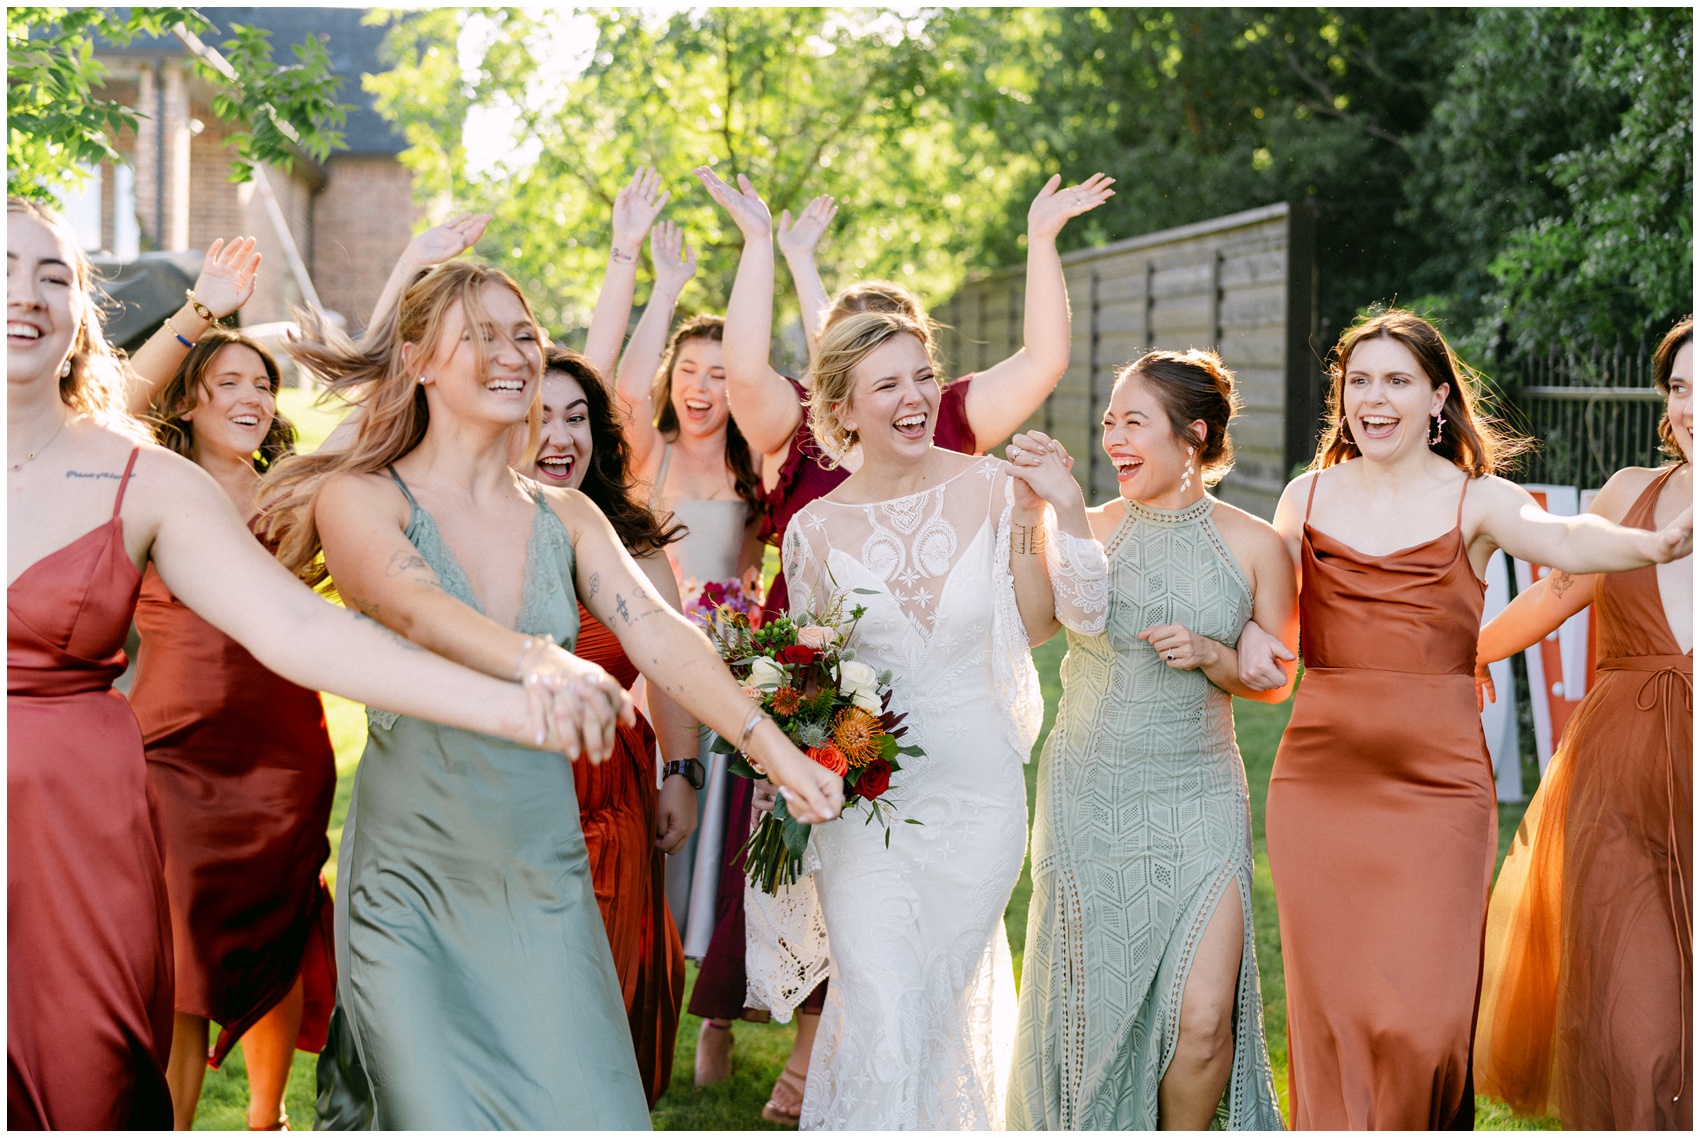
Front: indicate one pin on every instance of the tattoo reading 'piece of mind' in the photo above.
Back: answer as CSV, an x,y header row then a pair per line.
x,y
93,474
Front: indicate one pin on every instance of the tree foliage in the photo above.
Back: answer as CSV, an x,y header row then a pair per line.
x,y
57,120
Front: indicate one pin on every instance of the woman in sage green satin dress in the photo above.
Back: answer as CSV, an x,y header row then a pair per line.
x,y
1139,1002
477,987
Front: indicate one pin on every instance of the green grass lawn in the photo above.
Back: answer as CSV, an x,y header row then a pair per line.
x,y
762,1048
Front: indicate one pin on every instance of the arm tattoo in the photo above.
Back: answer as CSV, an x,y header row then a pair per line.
x,y
1560,583
625,613
620,607
403,562
595,584
95,474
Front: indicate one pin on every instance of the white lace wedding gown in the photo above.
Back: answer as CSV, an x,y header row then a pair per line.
x,y
919,1023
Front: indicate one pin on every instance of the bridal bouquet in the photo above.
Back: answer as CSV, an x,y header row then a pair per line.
x,y
831,705
705,600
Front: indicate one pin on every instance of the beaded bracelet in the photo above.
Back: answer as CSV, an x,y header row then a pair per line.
x,y
179,335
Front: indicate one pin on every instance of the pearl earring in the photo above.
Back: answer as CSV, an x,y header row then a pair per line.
x,y
65,369
1186,479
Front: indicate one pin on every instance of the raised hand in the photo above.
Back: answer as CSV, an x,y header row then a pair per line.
x,y
748,211
573,702
801,239
636,207
446,241
1053,207
1042,467
227,276
674,257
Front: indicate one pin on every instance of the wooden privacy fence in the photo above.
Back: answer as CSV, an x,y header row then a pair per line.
x,y
1244,284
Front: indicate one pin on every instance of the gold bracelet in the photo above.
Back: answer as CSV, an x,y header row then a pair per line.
x,y
1027,539
201,310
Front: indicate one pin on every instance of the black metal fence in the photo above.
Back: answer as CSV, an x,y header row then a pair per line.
x,y
1593,413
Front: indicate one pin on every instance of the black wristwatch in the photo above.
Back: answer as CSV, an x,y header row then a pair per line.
x,y
690,768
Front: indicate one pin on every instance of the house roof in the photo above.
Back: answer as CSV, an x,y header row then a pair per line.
x,y
353,48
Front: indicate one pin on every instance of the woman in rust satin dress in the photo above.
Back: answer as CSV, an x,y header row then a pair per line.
x,y
1587,1003
241,762
1381,820
629,825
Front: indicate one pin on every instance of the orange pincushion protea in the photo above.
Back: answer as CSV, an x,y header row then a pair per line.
x,y
857,734
785,701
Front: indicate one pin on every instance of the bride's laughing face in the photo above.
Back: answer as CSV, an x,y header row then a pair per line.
x,y
894,402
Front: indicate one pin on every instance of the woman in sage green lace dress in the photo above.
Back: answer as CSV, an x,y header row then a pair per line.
x,y
477,986
1139,1001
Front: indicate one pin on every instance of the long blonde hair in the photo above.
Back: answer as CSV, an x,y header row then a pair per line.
x,y
371,375
843,345
98,382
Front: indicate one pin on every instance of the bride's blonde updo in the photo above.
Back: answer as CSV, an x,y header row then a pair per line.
x,y
842,346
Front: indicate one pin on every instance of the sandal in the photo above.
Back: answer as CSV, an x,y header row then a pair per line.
x,y
714,1053
785,1103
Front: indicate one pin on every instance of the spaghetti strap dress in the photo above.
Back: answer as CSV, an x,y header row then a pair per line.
x,y
616,811
722,985
241,763
1382,829
88,932
476,983
1587,1001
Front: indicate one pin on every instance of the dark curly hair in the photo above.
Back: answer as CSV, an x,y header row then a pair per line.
x,y
746,478
608,480
1664,359
182,394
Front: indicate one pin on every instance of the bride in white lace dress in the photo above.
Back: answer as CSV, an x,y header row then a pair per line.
x,y
960,567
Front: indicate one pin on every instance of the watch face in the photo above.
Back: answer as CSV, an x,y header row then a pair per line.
x,y
690,768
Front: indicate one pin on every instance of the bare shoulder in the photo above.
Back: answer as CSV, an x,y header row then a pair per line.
x,y
353,490
1104,519
1621,490
573,507
1246,530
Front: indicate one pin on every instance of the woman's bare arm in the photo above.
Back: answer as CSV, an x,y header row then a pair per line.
x,y
225,284
636,207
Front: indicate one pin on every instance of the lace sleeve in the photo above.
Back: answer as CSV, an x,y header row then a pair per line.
x,y
1080,579
803,570
1012,659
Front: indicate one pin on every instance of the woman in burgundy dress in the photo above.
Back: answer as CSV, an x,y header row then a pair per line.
x,y
975,413
629,825
89,980
241,763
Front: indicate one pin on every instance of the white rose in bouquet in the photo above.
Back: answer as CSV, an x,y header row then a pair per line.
x,y
768,675
861,683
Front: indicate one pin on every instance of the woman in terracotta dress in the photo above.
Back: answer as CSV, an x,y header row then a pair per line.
x,y
1381,817
629,826
1587,997
241,763
89,972
974,413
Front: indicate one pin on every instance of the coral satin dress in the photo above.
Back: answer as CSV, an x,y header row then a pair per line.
x,y
616,808
1587,1003
1382,831
241,761
88,936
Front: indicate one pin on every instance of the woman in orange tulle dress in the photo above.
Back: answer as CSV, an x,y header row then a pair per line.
x,y
1381,819
1587,1000
629,825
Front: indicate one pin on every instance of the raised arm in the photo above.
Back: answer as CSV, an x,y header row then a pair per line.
x,y
1506,516
678,660
225,284
207,557
675,265
361,521
1061,575
1003,396
762,402
798,243
434,246
635,209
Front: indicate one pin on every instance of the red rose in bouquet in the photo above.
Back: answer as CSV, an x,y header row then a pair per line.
x,y
875,780
798,654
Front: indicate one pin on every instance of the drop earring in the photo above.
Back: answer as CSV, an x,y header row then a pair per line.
x,y
1186,479
1439,422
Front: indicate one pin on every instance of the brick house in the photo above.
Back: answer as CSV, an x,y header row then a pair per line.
x,y
350,216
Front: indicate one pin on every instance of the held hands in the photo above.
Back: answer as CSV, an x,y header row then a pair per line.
x,y
676,814
572,703
764,795
674,257
227,276
1181,648
744,204
801,239
1053,207
812,793
635,209
1258,655
1041,467
446,241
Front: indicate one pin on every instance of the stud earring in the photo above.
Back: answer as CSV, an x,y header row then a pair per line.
x,y
65,369
1439,422
1186,479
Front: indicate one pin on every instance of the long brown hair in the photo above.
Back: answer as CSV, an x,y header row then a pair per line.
x,y
608,479
370,374
746,479
97,383
182,394
1664,359
1474,441
1194,386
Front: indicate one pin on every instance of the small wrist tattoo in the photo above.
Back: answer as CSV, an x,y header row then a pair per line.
x,y
620,256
